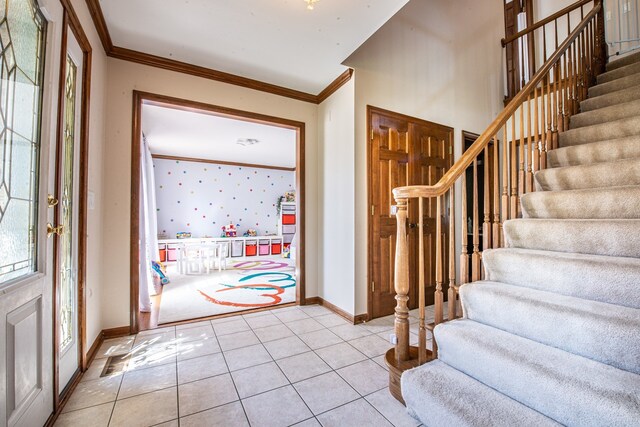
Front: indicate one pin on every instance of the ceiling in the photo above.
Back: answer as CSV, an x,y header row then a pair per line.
x,y
181,133
274,41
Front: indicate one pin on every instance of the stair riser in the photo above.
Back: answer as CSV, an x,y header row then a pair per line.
x,y
623,96
616,63
604,279
604,115
598,152
599,175
584,323
602,132
570,389
609,203
619,73
595,237
614,86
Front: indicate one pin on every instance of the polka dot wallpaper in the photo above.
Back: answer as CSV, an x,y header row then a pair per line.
x,y
202,197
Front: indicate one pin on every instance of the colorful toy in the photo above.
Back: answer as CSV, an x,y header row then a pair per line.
x,y
160,270
230,230
286,251
290,196
250,233
183,235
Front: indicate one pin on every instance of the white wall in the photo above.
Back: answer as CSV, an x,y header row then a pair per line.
x,y
439,61
336,191
123,78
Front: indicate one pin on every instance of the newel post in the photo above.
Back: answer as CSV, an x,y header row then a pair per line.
x,y
402,282
602,52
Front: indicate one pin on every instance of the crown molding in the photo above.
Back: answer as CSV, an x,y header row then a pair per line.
x,y
208,73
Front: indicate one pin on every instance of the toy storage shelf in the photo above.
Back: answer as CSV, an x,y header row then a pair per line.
x,y
241,247
288,222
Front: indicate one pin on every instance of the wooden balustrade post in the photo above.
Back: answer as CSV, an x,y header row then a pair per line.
x,y
505,182
601,44
486,225
464,233
476,273
496,194
513,203
422,331
453,294
439,297
401,279
530,139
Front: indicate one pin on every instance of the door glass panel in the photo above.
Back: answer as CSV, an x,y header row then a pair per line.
x,y
67,267
22,32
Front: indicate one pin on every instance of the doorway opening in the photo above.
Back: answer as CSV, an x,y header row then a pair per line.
x,y
217,214
402,150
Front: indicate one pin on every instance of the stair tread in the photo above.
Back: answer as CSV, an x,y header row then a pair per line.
x,y
563,386
606,114
617,173
595,152
584,321
614,85
614,129
588,203
612,237
567,273
455,399
612,98
624,60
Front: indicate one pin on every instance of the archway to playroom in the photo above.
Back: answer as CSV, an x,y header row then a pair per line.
x,y
217,212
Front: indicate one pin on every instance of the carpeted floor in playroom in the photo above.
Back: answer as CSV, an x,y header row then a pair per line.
x,y
245,284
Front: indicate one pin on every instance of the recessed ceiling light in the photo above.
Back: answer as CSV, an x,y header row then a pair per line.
x,y
310,3
247,141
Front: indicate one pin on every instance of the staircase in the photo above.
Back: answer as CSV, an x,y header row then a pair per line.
x,y
551,336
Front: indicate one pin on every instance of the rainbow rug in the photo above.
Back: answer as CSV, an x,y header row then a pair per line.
x,y
245,284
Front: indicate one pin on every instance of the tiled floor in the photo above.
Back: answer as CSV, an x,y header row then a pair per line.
x,y
291,366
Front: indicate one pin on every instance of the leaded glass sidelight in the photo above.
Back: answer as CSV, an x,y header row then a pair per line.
x,y
67,268
22,33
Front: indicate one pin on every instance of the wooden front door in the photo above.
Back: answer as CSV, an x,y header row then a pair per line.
x,y
402,151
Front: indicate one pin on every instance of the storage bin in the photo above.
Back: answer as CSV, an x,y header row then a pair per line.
x,y
288,229
276,247
288,219
237,248
172,253
251,248
263,247
288,208
162,252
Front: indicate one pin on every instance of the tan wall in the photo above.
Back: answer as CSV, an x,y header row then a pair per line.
x,y
439,61
123,78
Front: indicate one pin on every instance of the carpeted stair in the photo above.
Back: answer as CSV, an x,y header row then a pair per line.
x,y
551,336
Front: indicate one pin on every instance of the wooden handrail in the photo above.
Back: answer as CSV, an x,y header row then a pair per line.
x,y
544,21
460,166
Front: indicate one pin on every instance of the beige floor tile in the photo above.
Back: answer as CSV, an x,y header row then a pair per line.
x,y
246,357
115,346
381,324
331,320
305,325
193,325
311,422
302,366
195,334
287,316
172,423
358,413
238,325
205,394
147,356
155,331
325,392
319,339
201,367
371,345
219,320
237,340
168,337
286,347
380,361
276,408
349,332
315,310
94,392
366,376
258,379
392,410
189,350
146,409
340,355
274,332
95,370
229,415
263,321
147,380
95,416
